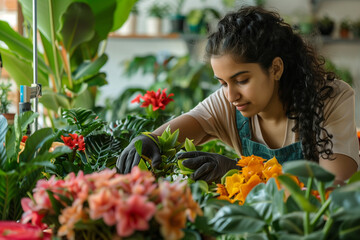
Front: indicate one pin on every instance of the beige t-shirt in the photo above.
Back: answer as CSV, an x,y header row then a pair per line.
x,y
216,115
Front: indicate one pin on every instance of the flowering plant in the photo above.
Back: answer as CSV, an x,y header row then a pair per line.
x,y
10,230
106,204
152,101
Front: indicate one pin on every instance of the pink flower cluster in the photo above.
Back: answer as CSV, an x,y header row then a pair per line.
x,y
126,203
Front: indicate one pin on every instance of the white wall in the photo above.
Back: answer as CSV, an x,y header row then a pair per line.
x,y
342,54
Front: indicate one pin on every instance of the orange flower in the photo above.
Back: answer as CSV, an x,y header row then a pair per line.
x,y
221,190
247,187
172,221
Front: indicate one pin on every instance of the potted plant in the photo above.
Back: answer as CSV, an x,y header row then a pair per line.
x,y
355,28
130,26
345,28
5,88
177,19
156,13
325,25
199,19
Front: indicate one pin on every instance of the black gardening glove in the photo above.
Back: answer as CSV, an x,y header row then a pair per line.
x,y
209,167
130,158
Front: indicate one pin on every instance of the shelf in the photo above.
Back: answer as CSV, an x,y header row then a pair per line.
x,y
144,36
330,40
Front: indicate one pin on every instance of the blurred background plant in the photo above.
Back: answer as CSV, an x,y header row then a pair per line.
x,y
69,68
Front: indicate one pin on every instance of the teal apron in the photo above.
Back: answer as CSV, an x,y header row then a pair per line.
x,y
249,147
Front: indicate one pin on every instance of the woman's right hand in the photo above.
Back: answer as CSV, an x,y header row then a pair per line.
x,y
129,157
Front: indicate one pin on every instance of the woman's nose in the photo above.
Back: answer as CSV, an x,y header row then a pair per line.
x,y
233,94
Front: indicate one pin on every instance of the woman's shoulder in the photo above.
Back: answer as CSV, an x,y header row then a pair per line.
x,y
341,88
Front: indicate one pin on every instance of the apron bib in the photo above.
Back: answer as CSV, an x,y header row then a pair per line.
x,y
249,147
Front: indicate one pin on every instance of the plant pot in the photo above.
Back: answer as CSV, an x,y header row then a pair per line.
x,y
177,23
9,117
154,26
129,27
326,30
344,33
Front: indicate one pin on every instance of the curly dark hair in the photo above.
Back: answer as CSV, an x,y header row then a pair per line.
x,y
255,35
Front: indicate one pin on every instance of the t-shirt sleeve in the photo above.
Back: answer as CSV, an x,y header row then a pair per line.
x,y
339,113
217,118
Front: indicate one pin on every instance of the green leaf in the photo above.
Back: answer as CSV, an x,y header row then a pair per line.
x,y
189,145
142,165
3,131
88,68
292,223
303,168
54,101
51,12
138,147
296,193
184,170
347,196
34,143
354,178
350,229
20,69
267,200
122,12
237,219
8,191
78,25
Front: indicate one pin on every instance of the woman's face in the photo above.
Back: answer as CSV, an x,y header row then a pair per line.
x,y
246,85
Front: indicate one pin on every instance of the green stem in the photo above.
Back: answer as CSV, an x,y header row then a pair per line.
x,y
69,71
309,187
307,226
321,189
321,211
267,232
52,32
327,227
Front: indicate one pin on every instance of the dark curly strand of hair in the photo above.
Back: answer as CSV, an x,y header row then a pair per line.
x,y
255,35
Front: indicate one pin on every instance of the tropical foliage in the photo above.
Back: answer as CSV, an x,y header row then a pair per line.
x,y
69,68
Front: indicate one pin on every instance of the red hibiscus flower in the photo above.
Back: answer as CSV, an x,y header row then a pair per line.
x,y
74,141
157,99
17,231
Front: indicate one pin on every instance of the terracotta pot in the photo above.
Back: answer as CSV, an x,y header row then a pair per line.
x,y
9,117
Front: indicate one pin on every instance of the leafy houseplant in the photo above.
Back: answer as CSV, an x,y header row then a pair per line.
x,y
199,19
177,18
355,28
156,13
69,67
325,25
344,28
5,88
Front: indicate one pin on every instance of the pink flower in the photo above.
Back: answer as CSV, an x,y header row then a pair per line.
x,y
10,230
30,214
134,214
156,99
102,205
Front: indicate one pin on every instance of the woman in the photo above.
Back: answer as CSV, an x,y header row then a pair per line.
x,y
276,99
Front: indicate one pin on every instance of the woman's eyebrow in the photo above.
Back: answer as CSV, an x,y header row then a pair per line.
x,y
233,76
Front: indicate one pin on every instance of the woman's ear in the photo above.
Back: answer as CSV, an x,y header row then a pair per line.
x,y
277,68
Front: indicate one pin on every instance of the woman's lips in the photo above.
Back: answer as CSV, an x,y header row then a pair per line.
x,y
242,107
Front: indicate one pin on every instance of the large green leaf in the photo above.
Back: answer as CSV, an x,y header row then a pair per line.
x,y
347,196
237,219
296,193
21,70
34,143
49,14
3,129
15,41
303,168
88,68
78,25
8,190
122,12
350,229
54,101
267,200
